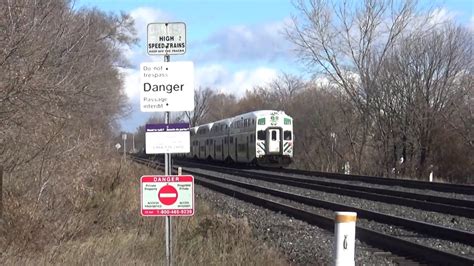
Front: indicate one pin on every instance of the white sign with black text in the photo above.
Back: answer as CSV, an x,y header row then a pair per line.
x,y
167,86
166,38
167,138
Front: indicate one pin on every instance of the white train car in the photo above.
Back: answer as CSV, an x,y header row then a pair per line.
x,y
260,137
201,138
194,149
219,149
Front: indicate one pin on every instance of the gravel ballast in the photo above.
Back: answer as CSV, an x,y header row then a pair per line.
x,y
372,185
457,222
397,231
302,243
452,221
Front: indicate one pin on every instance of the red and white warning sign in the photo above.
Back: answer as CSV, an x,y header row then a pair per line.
x,y
167,195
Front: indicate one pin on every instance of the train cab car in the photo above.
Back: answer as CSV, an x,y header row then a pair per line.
x,y
274,144
261,137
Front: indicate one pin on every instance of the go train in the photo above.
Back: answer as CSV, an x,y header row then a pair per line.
x,y
263,138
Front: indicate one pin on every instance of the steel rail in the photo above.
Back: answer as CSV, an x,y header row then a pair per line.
x,y
393,244
374,194
396,193
437,186
426,228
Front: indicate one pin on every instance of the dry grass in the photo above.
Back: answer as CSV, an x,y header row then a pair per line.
x,y
107,229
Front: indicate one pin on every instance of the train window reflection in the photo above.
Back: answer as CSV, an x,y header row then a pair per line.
x,y
287,135
261,135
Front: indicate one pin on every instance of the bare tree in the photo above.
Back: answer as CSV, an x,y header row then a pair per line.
x,y
201,106
60,97
421,89
279,92
221,106
348,42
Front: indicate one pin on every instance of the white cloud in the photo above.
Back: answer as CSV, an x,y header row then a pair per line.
x,y
218,78
441,16
142,17
131,78
248,42
145,15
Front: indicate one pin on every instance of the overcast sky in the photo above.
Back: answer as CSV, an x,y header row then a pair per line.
x,y
234,44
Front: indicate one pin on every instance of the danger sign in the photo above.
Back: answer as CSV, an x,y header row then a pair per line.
x,y
167,195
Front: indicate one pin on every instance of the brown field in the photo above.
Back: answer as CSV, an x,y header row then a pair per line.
x,y
108,229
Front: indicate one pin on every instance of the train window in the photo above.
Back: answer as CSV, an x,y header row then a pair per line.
x,y
231,140
261,135
274,135
253,121
287,135
261,121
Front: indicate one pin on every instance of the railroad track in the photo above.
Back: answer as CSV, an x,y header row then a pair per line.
x,y
419,201
385,241
442,187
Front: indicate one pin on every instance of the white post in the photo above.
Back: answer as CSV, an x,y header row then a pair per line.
x,y
347,168
180,171
431,176
344,242
133,143
124,137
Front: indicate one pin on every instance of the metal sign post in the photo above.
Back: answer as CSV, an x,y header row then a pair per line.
x,y
166,87
168,172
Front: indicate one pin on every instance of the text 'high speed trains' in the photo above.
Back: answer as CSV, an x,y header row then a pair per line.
x,y
261,137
